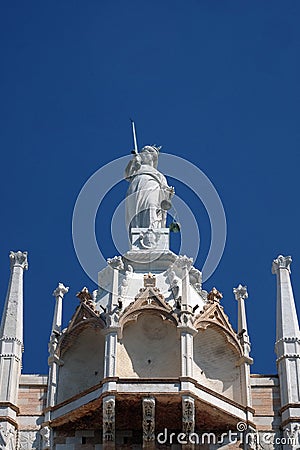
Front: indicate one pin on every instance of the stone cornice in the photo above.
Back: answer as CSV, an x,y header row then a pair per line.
x,y
289,339
10,355
10,420
11,339
287,356
11,406
288,406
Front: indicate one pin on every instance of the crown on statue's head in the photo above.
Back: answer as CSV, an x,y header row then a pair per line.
x,y
151,148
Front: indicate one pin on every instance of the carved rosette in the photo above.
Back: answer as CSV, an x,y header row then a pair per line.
x,y
108,419
240,292
149,419
282,262
18,259
60,291
188,415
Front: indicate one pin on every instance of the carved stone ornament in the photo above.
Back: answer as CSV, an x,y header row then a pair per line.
x,y
52,346
18,259
29,440
149,239
240,292
292,433
7,437
282,262
252,440
149,280
214,296
188,415
116,263
183,262
86,297
149,419
60,291
45,433
109,419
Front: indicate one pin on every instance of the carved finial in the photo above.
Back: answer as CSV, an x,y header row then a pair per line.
x,y
214,296
282,262
240,292
116,263
60,291
149,280
18,259
84,295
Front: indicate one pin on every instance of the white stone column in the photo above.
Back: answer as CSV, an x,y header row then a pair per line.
x,y
112,319
111,339
187,331
149,423
59,293
11,347
53,360
109,432
188,419
187,350
287,348
241,295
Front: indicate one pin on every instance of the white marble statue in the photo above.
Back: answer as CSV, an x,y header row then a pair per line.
x,y
149,196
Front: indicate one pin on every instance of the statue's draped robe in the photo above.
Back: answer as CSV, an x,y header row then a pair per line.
x,y
144,196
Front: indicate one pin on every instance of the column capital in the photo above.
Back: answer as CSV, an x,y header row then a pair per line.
x,y
240,292
18,259
60,291
282,262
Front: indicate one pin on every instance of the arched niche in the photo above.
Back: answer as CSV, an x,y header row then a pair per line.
x,y
215,362
149,348
83,361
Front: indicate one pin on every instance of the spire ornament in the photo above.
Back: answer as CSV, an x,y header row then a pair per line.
x,y
18,259
60,291
281,262
214,296
240,292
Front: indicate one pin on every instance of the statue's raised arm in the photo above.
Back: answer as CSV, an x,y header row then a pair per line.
x,y
149,196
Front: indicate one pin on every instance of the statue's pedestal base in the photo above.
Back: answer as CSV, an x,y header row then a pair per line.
x,y
153,239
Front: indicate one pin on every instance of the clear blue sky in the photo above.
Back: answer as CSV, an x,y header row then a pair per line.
x,y
216,82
